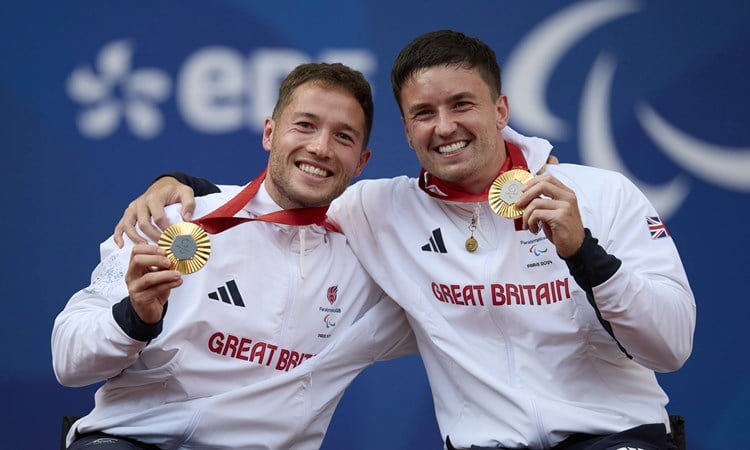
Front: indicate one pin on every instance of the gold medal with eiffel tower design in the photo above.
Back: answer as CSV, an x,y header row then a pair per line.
x,y
186,245
505,192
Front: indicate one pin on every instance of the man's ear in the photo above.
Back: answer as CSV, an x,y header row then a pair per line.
x,y
363,158
268,127
406,133
503,111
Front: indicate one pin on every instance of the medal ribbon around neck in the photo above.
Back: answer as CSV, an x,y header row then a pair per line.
x,y
514,165
187,245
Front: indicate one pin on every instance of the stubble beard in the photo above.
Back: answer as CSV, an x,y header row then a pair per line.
x,y
294,195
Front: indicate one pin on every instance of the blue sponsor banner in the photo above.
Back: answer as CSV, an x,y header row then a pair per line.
x,y
99,98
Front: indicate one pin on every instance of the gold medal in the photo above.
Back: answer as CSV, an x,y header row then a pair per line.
x,y
471,244
187,246
505,192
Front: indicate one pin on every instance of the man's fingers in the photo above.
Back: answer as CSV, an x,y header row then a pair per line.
x,y
148,272
145,259
127,225
137,218
144,214
544,186
186,197
538,211
156,283
149,293
146,249
153,208
168,191
119,230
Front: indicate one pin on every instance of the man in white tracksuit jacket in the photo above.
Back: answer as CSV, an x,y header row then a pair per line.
x,y
549,333
248,353
515,352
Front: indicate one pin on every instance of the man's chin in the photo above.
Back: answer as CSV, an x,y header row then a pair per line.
x,y
316,201
451,174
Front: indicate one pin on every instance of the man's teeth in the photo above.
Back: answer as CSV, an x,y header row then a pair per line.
x,y
312,170
456,146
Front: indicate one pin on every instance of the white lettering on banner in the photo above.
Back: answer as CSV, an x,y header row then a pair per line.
x,y
210,88
218,89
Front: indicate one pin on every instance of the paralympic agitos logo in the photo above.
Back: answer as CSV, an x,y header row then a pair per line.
x,y
529,70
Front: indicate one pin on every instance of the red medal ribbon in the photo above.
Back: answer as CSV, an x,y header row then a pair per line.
x,y
436,188
222,218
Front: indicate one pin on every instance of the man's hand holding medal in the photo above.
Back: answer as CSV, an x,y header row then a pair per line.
x,y
543,203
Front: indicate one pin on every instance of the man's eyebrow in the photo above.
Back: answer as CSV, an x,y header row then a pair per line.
x,y
461,96
315,117
416,107
453,98
304,115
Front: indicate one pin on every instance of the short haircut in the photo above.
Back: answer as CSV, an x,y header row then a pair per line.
x,y
445,48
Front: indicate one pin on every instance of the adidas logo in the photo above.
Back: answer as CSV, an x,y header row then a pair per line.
x,y
435,243
229,294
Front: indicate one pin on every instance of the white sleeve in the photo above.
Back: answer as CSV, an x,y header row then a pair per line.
x,y
88,345
648,301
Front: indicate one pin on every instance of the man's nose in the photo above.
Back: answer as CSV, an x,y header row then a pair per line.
x,y
445,124
320,144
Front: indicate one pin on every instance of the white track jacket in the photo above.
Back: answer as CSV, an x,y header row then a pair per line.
x,y
517,352
256,348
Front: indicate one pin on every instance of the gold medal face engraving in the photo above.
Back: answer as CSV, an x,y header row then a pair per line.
x,y
471,244
186,245
505,192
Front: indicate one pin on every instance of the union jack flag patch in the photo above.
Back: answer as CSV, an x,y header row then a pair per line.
x,y
656,227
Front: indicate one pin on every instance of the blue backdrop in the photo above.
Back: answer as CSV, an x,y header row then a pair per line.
x,y
97,98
